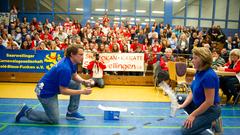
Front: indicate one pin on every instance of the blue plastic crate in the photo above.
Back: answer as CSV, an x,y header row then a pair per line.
x,y
111,115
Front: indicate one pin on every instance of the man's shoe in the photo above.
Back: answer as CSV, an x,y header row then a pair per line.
x,y
75,116
21,112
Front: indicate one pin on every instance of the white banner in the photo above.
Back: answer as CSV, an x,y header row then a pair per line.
x,y
118,61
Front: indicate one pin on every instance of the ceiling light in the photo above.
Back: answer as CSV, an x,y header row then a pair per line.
x,y
141,11
79,9
158,12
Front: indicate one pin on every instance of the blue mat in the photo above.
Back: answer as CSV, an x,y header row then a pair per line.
x,y
142,118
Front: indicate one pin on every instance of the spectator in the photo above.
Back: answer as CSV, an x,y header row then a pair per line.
x,y
183,45
217,60
18,37
53,46
25,45
2,47
141,37
34,22
125,49
96,67
46,35
61,35
168,56
116,48
12,44
13,14
102,48
135,45
36,40
173,42
42,46
25,23
227,83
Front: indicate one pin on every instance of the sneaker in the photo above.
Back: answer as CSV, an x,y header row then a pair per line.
x,y
21,112
75,116
217,126
209,132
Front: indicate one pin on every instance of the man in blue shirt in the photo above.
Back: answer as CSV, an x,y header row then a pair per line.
x,y
60,79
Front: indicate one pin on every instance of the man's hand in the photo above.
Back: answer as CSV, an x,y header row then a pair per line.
x,y
87,91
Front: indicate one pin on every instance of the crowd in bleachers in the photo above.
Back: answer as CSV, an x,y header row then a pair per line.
x,y
123,38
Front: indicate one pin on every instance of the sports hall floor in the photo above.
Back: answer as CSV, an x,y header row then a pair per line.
x,y
148,113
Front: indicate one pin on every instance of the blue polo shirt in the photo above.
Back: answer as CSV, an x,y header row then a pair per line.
x,y
205,79
58,75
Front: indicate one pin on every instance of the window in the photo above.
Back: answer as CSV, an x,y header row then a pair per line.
x,y
76,5
61,6
179,8
193,9
220,23
60,18
234,10
112,5
127,7
98,6
205,23
45,5
157,8
30,5
78,18
232,25
178,22
220,9
17,3
142,7
207,8
193,23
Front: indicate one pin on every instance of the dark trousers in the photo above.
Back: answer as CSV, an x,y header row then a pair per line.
x,y
227,84
203,121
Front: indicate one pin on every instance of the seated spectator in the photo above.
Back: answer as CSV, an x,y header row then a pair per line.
x,y
96,67
18,37
135,44
217,60
168,55
227,82
61,35
116,48
196,43
182,44
12,44
141,37
53,46
25,45
46,34
229,44
36,40
173,42
4,40
125,49
2,47
42,46
101,48
107,49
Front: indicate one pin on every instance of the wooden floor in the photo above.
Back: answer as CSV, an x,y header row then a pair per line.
x,y
109,93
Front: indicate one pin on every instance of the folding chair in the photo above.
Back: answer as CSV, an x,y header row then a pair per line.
x,y
177,73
